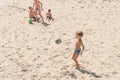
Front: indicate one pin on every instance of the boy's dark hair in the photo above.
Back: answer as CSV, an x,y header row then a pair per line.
x,y
49,10
80,33
30,7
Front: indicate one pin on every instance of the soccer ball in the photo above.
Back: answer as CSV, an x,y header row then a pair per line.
x,y
58,41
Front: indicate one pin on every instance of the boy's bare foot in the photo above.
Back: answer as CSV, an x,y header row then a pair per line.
x,y
43,23
77,67
80,67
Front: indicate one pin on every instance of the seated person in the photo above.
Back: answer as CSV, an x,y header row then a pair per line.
x,y
32,13
49,15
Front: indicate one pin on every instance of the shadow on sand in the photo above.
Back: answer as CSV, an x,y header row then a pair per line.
x,y
72,75
46,24
89,73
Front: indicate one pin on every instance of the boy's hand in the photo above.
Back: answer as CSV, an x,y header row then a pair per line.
x,y
81,53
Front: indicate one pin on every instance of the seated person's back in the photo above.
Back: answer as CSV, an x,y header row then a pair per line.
x,y
32,13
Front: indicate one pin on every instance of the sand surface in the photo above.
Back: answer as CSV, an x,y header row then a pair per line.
x,y
29,52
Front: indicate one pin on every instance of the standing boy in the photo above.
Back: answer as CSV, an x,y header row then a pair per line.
x,y
78,51
49,15
38,7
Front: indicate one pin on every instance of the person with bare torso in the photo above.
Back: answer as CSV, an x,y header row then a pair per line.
x,y
38,7
32,13
49,15
78,46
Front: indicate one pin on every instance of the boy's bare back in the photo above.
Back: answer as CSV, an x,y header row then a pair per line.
x,y
37,4
31,12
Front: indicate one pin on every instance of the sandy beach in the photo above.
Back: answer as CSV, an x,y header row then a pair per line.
x,y
29,52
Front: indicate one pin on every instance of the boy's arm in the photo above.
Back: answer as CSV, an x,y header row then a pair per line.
x,y
83,46
41,5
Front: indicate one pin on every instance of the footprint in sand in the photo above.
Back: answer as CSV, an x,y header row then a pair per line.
x,y
10,14
64,33
101,42
1,69
72,75
45,49
65,67
29,48
55,56
34,59
67,43
65,73
24,70
114,72
35,75
25,17
79,2
2,46
118,56
35,38
67,48
106,75
20,11
37,49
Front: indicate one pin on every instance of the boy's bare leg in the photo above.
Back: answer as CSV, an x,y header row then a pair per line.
x,y
52,19
73,56
75,60
48,20
41,17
